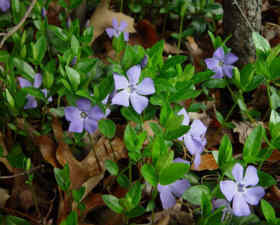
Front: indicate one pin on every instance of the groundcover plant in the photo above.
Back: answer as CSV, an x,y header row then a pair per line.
x,y
135,112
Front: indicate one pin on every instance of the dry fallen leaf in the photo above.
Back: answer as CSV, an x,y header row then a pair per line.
x,y
207,162
48,150
4,196
244,128
102,19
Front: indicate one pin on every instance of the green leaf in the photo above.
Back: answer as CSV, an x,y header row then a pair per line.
x,y
78,194
172,173
129,114
130,138
88,34
215,83
268,211
149,174
266,180
252,145
112,167
34,92
73,76
10,99
39,49
123,181
134,195
62,177
16,157
107,128
225,152
194,194
184,94
137,211
176,133
75,45
14,220
260,42
113,203
24,67
71,219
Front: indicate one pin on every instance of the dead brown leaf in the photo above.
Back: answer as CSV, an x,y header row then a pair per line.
x,y
93,164
102,19
244,128
4,196
48,150
207,162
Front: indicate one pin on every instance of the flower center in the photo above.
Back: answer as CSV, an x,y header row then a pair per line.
x,y
241,187
84,115
131,88
221,63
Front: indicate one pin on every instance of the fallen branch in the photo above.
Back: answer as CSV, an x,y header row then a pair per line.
x,y
15,28
22,173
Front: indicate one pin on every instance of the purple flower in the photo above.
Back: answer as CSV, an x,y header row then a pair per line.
x,y
4,5
31,101
131,91
116,30
43,12
74,61
221,64
240,192
144,62
194,139
84,116
170,191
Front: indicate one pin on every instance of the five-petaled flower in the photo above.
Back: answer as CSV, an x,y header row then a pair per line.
x,y
176,189
84,116
131,91
116,30
31,101
244,191
194,139
4,5
221,63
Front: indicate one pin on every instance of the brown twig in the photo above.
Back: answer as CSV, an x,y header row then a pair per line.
x,y
15,28
22,173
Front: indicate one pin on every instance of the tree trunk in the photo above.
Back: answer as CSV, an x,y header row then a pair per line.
x,y
241,18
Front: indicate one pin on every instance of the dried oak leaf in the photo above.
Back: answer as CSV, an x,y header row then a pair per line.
x,y
207,162
93,164
102,19
244,128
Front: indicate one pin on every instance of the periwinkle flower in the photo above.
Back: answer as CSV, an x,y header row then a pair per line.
x,y
74,61
31,101
131,91
4,5
221,63
144,62
244,191
84,116
43,12
170,191
194,139
117,29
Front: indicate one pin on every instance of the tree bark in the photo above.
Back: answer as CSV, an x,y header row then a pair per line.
x,y
241,18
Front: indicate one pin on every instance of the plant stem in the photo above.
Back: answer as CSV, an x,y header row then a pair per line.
x,y
230,111
180,32
121,8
